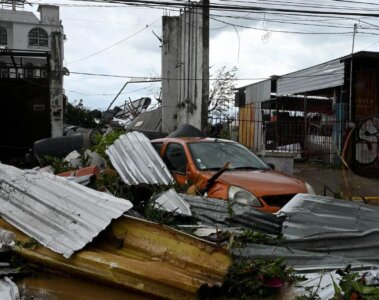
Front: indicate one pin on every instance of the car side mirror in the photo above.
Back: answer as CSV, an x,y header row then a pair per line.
x,y
271,165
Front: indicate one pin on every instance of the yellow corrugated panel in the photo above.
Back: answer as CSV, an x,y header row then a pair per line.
x,y
246,125
142,256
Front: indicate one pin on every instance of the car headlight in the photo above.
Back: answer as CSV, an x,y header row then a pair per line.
x,y
242,196
310,189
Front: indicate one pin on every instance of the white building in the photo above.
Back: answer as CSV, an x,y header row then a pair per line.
x,y
31,73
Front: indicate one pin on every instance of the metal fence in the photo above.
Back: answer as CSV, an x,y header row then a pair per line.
x,y
314,137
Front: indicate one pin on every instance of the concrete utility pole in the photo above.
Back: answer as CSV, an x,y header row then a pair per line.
x,y
185,68
56,84
205,77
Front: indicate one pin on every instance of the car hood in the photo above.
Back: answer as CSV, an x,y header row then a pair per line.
x,y
262,182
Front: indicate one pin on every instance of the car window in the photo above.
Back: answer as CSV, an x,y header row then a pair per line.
x,y
158,147
214,155
175,158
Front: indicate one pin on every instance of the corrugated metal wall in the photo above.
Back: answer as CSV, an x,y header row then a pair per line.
x,y
258,92
326,75
246,125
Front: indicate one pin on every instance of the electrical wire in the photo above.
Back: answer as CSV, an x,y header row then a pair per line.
x,y
113,45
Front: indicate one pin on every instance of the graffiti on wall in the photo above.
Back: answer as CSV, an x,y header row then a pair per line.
x,y
366,146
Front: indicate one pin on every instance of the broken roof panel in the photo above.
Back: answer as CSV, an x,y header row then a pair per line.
x,y
136,160
300,260
62,215
218,211
170,201
309,215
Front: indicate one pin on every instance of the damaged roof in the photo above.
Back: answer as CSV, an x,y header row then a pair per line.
x,y
220,212
136,161
61,215
309,215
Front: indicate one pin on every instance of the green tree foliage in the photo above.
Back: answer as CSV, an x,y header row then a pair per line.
x,y
78,115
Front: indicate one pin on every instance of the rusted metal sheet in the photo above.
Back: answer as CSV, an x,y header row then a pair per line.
x,y
366,93
60,214
136,161
141,256
246,128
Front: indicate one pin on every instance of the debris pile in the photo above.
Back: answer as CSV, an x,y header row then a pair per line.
x,y
109,207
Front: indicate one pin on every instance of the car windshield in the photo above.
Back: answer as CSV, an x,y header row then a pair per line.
x,y
209,156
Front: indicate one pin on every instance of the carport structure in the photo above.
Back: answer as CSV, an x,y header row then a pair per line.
x,y
307,111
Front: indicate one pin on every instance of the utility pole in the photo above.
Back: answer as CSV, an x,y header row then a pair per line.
x,y
205,75
351,76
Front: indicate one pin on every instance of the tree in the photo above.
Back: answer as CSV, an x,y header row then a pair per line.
x,y
221,93
78,115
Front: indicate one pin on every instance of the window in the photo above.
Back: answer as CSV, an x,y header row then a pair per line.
x,y
3,36
175,158
4,71
212,156
29,71
38,38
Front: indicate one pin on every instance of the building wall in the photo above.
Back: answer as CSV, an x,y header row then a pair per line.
x,y
19,23
32,97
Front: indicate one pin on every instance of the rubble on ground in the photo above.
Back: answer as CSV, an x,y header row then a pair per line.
x,y
228,248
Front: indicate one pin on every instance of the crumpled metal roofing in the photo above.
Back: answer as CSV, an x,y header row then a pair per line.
x,y
61,215
329,228
170,201
217,211
309,215
302,261
8,289
136,160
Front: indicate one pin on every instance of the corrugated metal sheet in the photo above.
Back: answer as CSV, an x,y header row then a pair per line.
x,y
170,201
62,215
141,256
322,76
311,215
258,92
8,290
331,226
300,260
148,121
217,212
363,246
136,161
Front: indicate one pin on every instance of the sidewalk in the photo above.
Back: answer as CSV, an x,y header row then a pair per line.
x,y
319,176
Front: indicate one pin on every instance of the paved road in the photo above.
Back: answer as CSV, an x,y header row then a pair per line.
x,y
319,176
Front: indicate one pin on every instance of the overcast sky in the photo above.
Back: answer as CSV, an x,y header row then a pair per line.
x,y
257,53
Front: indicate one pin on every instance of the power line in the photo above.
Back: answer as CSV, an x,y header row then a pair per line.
x,y
113,45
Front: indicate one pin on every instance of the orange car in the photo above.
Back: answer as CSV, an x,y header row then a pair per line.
x,y
227,170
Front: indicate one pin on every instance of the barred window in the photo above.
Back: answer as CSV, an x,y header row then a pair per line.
x,y
38,37
3,36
